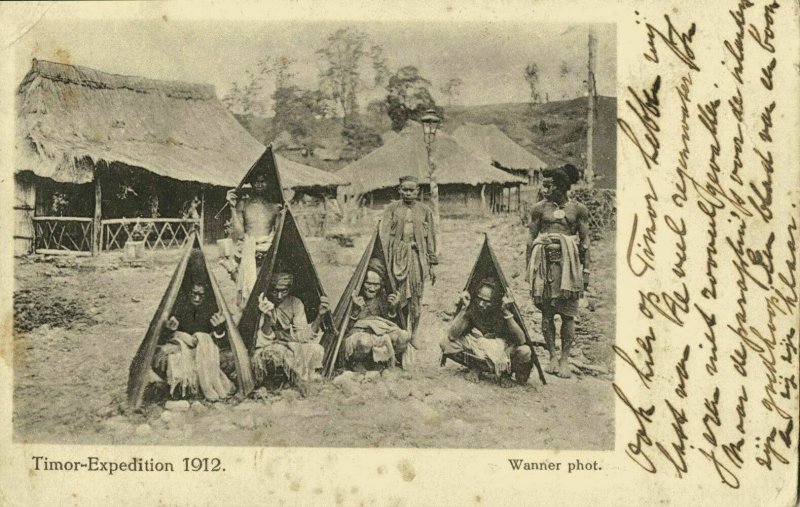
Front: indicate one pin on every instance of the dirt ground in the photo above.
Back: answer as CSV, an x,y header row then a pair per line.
x,y
80,321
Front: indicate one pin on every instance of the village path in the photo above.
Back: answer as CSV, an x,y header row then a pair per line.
x,y
80,322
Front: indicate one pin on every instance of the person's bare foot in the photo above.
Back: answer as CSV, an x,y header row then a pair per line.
x,y
552,368
507,382
304,387
564,368
473,376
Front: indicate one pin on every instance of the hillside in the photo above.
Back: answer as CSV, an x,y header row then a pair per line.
x,y
555,132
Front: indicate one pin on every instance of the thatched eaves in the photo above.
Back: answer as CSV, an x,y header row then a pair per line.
x,y
490,144
71,119
405,154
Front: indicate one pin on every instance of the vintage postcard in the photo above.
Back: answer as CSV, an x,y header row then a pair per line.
x,y
361,253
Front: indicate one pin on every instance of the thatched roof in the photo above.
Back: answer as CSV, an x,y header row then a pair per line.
x,y
285,141
295,175
490,144
405,154
71,118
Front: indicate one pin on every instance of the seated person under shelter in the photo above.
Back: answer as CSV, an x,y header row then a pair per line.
x,y
487,331
284,338
373,335
189,356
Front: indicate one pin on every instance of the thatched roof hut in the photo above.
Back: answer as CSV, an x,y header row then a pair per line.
x,y
72,118
406,154
77,125
459,174
490,144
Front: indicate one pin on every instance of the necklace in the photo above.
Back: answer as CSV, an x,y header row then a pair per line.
x,y
559,213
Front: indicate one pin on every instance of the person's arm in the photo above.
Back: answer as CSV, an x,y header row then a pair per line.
x,y
430,239
385,227
512,326
218,326
392,302
324,308
585,241
461,323
237,212
514,329
265,335
535,228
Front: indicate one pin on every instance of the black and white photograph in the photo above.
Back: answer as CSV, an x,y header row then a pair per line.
x,y
315,234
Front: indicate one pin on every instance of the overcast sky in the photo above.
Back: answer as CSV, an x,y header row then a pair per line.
x,y
488,57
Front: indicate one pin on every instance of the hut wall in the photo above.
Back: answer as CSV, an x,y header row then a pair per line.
x,y
213,226
454,199
24,208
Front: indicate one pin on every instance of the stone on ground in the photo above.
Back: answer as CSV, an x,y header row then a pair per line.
x,y
177,405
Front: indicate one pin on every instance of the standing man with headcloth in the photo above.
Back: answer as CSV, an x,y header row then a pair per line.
x,y
409,237
558,261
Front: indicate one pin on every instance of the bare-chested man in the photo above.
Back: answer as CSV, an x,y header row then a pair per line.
x,y
253,222
558,261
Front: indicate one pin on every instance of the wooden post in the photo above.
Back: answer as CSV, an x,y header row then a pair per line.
x,y
202,213
483,198
589,175
434,196
97,222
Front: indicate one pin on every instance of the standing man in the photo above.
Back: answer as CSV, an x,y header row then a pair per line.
x,y
253,221
558,261
409,236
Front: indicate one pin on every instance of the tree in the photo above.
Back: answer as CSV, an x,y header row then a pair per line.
x,y
295,109
532,77
408,96
563,72
451,89
360,139
255,96
345,57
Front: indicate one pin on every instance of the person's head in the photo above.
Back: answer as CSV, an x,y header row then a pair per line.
x,y
373,280
409,188
486,295
260,182
279,287
372,284
556,182
197,294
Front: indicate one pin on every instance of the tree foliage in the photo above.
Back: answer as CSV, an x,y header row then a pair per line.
x,y
254,96
360,140
346,58
452,89
532,77
296,108
408,96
